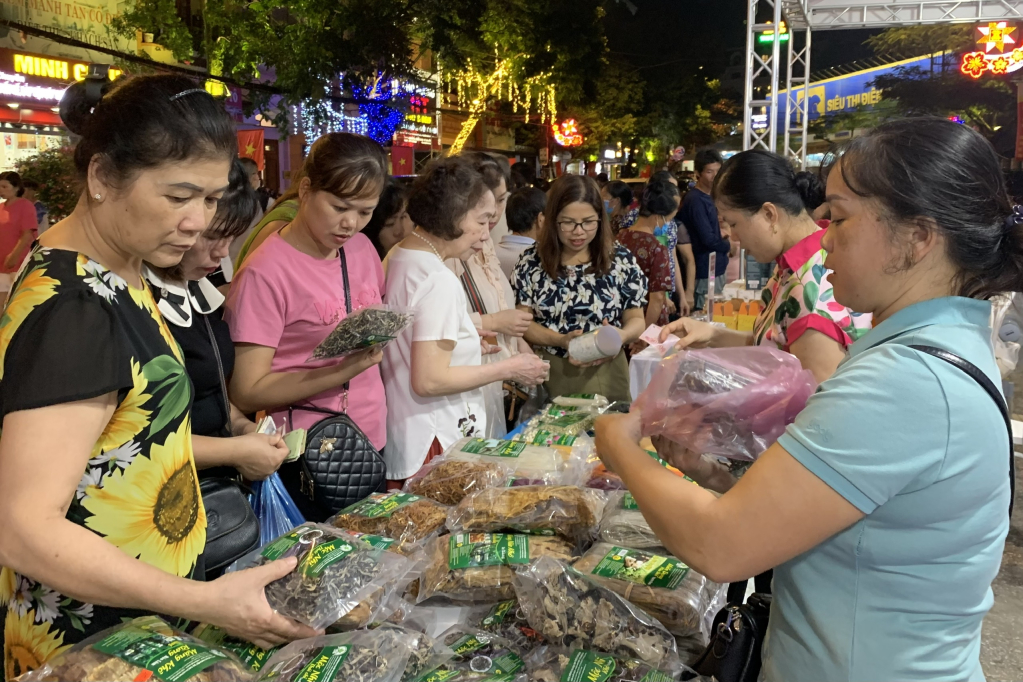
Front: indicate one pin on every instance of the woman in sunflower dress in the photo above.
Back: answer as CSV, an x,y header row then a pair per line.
x,y
99,498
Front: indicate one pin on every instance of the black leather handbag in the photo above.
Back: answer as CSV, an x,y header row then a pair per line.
x,y
232,529
737,637
340,466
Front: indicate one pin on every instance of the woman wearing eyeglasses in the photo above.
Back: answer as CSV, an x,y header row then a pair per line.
x,y
575,279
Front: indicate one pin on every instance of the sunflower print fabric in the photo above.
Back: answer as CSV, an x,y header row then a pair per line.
x,y
72,329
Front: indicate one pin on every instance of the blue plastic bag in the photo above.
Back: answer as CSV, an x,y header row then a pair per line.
x,y
274,508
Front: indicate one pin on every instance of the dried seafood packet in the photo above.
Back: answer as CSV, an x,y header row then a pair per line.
x,y
142,649
336,575
248,653
557,664
571,610
379,655
448,481
660,584
506,619
364,328
569,512
403,517
478,567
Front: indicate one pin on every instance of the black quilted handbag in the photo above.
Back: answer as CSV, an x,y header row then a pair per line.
x,y
340,466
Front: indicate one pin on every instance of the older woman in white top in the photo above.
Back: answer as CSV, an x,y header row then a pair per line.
x,y
434,376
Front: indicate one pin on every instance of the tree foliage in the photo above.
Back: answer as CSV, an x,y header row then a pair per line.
x,y
914,41
54,170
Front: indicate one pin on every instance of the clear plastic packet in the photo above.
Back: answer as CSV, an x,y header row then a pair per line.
x,y
506,619
560,423
379,655
447,480
530,464
557,664
141,649
248,653
481,652
624,524
591,401
571,610
569,512
427,653
364,328
728,402
478,567
336,575
602,478
445,674
403,517
660,584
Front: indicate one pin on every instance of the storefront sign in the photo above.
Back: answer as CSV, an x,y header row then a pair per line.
x,y
58,69
89,22
420,123
13,86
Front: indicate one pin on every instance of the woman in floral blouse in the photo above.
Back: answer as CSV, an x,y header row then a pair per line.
x,y
768,206
575,279
99,499
652,255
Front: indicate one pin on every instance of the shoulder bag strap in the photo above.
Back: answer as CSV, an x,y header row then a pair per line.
x,y
977,375
220,370
472,292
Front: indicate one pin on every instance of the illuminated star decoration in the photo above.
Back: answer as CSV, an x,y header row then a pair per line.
x,y
996,35
567,134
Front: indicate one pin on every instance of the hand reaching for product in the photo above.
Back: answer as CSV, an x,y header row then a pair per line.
x,y
691,333
527,369
236,602
511,322
258,455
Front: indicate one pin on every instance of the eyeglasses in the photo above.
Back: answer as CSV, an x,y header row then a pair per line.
x,y
570,226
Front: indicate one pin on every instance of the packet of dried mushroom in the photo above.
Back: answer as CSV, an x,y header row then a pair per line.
x,y
142,649
364,328
572,611
569,512
400,516
555,664
336,575
506,619
659,584
530,464
481,652
479,566
247,652
362,656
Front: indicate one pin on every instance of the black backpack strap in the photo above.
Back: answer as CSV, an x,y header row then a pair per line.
x,y
977,375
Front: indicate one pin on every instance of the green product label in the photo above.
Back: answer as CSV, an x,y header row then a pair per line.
x,y
379,505
642,567
439,676
250,654
374,339
561,410
494,448
469,643
325,664
375,540
543,437
582,396
322,556
470,550
507,664
569,420
588,666
656,676
629,502
498,613
170,658
276,549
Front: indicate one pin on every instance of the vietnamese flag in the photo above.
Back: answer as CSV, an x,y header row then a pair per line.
x,y
250,145
403,161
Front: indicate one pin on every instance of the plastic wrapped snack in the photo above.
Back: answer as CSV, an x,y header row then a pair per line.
x,y
624,525
447,481
248,653
566,511
363,329
560,422
481,652
403,517
506,619
591,401
379,655
556,664
479,566
728,402
145,648
661,585
530,464
571,610
336,575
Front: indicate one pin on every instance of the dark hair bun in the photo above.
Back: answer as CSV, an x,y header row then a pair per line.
x,y
811,189
755,177
75,108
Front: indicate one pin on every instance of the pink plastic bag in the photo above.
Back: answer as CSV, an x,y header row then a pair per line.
x,y
729,402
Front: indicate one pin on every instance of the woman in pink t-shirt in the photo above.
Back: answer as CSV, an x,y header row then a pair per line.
x,y
19,230
290,295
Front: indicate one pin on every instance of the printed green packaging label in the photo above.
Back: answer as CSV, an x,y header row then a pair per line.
x,y
629,502
498,613
569,420
170,658
467,644
380,505
642,567
250,654
547,438
374,540
325,664
561,410
588,666
439,676
469,550
374,339
582,396
276,549
494,448
321,556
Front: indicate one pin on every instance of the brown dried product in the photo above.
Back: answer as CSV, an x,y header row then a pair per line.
x,y
661,585
554,664
379,655
139,649
401,516
448,481
480,652
506,619
479,566
572,611
567,511
624,524
363,329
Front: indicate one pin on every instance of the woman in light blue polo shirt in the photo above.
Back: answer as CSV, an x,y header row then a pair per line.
x,y
883,508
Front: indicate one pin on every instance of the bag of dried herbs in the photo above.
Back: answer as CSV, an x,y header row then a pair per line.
x,y
624,524
556,664
400,516
362,656
477,567
506,619
363,329
569,512
530,464
481,652
571,610
247,652
336,575
660,584
145,648
447,481
427,653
